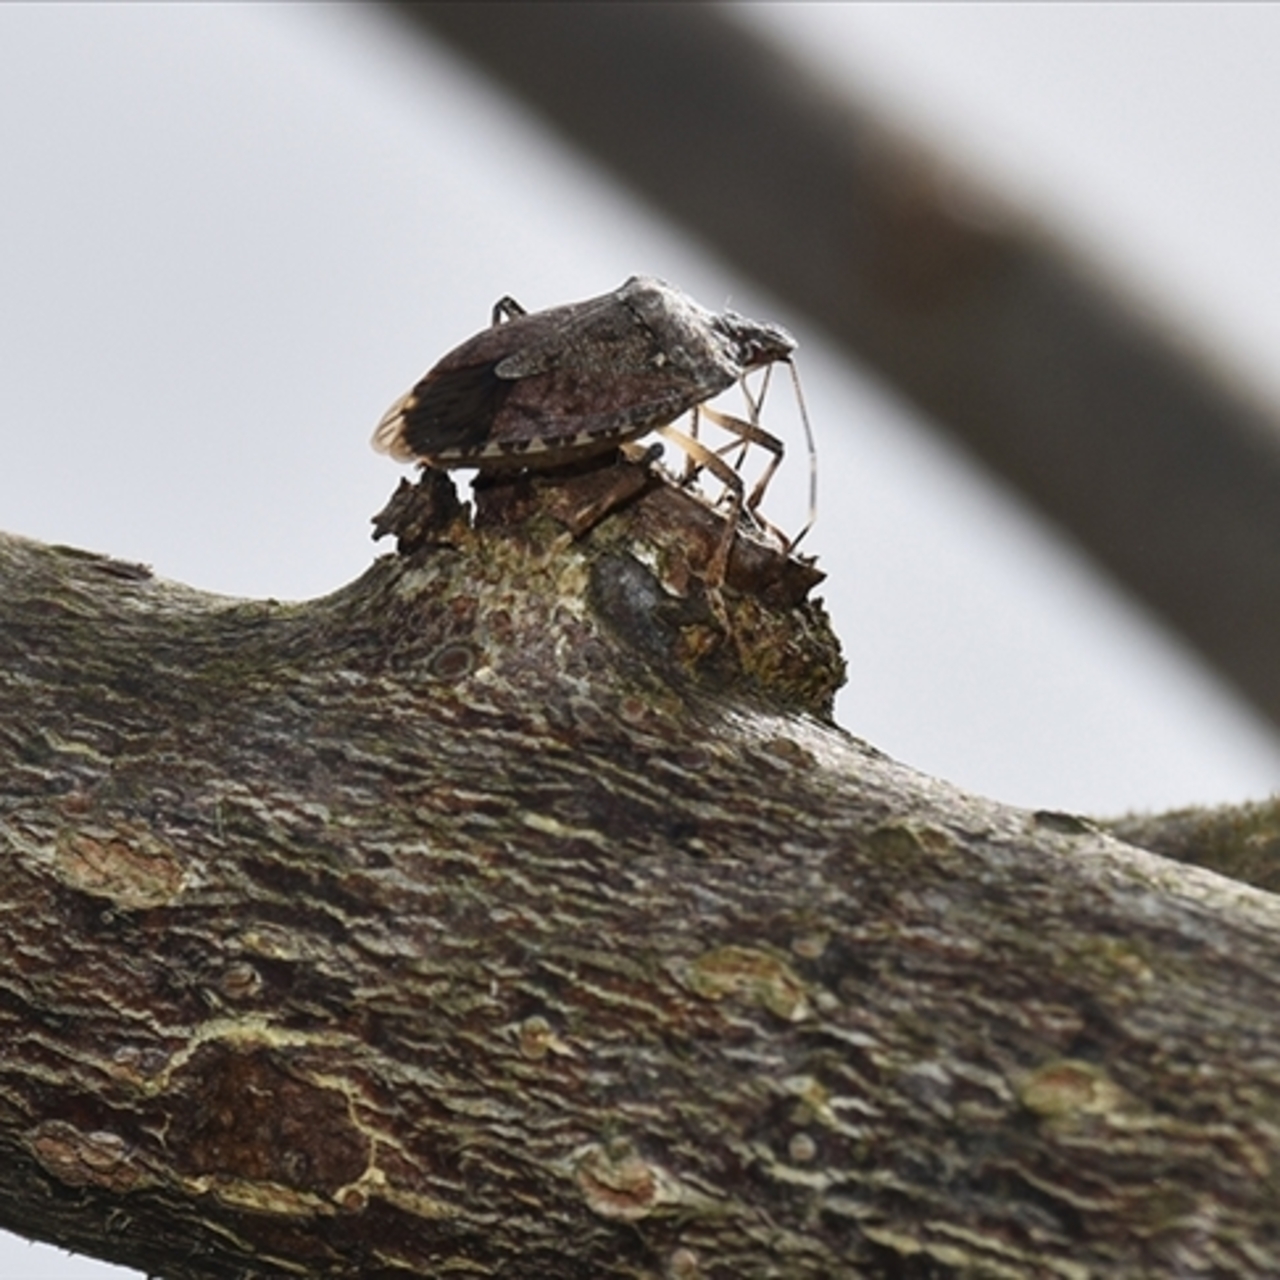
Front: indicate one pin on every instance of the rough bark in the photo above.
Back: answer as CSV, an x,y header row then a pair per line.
x,y
1240,841
503,915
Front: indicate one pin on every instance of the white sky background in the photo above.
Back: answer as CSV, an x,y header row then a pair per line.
x,y
230,236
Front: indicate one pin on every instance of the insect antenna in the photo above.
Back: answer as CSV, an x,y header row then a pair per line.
x,y
813,458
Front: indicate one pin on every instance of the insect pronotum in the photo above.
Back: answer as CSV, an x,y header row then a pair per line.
x,y
553,387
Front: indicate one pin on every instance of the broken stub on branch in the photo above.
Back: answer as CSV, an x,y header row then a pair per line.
x,y
550,409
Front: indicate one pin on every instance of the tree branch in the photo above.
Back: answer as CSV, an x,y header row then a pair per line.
x,y
501,914
1240,841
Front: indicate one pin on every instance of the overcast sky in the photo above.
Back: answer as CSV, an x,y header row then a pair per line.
x,y
231,235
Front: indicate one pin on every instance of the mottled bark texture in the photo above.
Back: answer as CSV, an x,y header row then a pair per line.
x,y
1241,841
499,916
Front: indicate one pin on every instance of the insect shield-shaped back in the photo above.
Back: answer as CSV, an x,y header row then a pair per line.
x,y
558,386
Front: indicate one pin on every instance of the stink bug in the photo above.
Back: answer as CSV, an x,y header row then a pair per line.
x,y
555,387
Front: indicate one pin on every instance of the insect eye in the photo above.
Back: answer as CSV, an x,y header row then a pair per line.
x,y
762,351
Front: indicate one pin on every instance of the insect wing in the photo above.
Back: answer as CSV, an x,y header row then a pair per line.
x,y
448,414
450,410
563,383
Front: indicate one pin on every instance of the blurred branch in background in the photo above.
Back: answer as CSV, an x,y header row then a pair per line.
x,y
1161,467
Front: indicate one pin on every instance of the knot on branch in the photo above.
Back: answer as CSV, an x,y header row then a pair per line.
x,y
635,555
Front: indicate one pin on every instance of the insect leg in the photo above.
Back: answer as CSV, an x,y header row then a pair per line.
x,y
718,567
755,404
749,434
753,432
641,454
691,465
605,489
506,308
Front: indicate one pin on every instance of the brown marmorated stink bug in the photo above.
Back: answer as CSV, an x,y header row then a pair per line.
x,y
556,387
